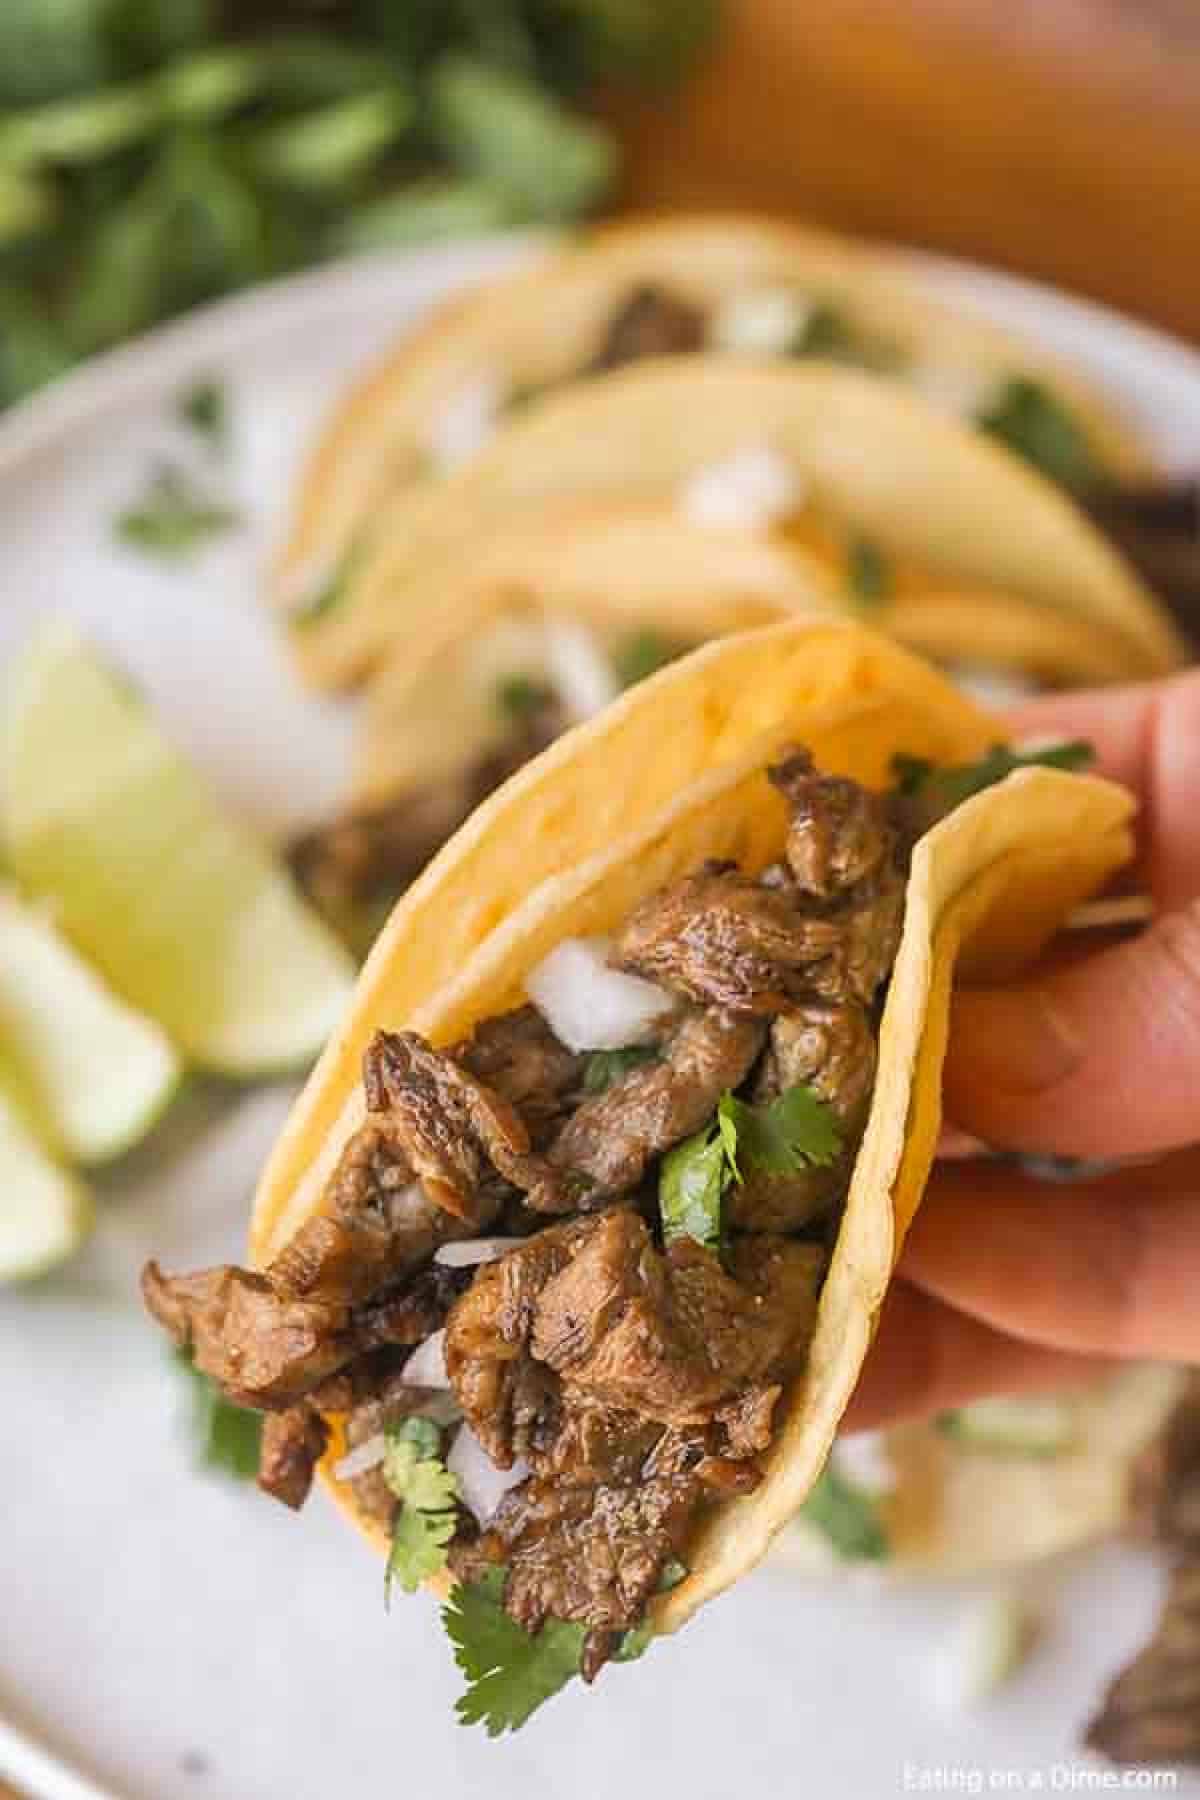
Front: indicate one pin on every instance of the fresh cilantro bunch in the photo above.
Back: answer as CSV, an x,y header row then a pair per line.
x,y
157,153
847,1516
938,790
428,1510
225,1438
798,1130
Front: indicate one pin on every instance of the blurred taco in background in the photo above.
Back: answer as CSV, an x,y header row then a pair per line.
x,y
999,1482
730,285
531,628
821,455
567,1260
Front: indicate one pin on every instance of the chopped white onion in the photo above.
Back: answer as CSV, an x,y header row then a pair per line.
x,y
464,1253
1119,910
590,1006
992,687
426,1367
582,674
863,1459
367,1455
481,1484
749,491
763,322
466,422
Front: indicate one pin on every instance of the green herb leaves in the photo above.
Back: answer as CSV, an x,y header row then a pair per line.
x,y
868,572
510,1672
1034,423
174,518
846,1516
941,789
519,697
428,1496
604,1067
225,1438
642,653
796,1131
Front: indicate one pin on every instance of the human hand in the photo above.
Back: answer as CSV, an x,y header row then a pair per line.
x,y
1008,1283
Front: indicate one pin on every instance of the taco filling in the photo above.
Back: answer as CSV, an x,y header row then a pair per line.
x,y
565,1269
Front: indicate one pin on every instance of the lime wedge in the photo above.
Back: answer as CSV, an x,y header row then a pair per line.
x,y
99,1074
183,914
45,1213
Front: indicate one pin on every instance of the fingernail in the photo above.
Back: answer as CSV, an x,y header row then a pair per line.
x,y
1019,1042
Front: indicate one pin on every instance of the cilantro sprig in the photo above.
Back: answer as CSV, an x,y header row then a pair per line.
x,y
1033,422
174,517
511,1672
225,1438
796,1131
847,1516
941,789
428,1496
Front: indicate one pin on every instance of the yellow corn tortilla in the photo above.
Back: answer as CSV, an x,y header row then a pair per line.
x,y
626,567
869,455
671,775
539,328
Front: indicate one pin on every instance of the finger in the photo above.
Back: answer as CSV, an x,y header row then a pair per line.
x,y
1147,736
927,1358
1097,1058
1106,1267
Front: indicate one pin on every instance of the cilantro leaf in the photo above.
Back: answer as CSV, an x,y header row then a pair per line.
x,y
796,1131
518,697
847,1517
641,653
606,1067
174,518
510,1672
947,787
225,1438
327,593
419,1543
691,1185
1034,423
203,407
868,572
428,1496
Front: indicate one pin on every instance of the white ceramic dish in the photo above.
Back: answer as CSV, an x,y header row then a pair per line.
x,y
174,1637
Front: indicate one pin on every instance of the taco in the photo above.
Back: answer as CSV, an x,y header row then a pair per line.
x,y
671,287
998,1482
803,451
567,1260
537,626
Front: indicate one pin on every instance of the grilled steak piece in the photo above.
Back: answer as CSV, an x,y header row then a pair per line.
x,y
1151,1713
262,1350
608,1142
293,1443
519,1056
353,867
456,1132
632,1380
831,1048
839,833
651,322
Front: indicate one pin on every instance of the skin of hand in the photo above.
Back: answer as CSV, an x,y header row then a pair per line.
x,y
1007,1283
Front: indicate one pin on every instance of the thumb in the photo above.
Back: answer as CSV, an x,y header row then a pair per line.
x,y
1100,1058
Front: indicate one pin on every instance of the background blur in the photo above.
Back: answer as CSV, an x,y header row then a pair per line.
x,y
158,153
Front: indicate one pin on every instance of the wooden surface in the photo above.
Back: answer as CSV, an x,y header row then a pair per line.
x,y
1057,137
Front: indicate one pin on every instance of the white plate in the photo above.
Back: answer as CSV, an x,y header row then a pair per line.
x,y
177,1637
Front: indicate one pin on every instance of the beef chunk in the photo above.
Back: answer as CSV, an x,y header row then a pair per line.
x,y
670,1336
293,1443
519,1056
262,1350
830,1048
839,833
651,322
722,939
353,867
457,1133
1151,1713
608,1142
